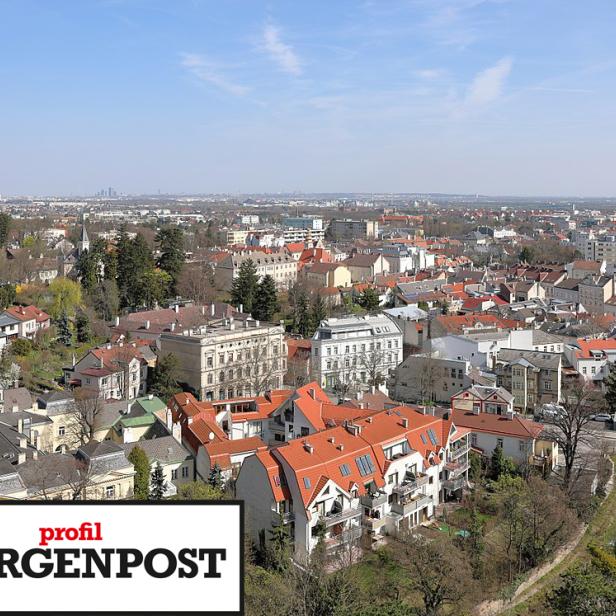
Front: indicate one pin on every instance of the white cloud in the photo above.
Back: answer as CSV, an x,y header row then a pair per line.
x,y
488,85
280,52
429,73
205,70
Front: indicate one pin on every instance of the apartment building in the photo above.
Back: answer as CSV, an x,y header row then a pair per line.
x,y
533,377
280,265
328,275
228,359
31,320
347,229
592,358
594,291
367,266
355,351
382,474
426,378
117,371
521,439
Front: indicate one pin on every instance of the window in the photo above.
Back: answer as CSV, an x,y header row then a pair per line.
x,y
499,442
473,439
307,483
304,431
174,474
365,465
185,472
548,386
345,471
61,431
521,445
432,436
110,492
423,439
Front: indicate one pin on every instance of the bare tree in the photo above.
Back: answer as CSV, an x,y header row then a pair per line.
x,y
570,427
372,362
425,379
260,370
197,283
87,408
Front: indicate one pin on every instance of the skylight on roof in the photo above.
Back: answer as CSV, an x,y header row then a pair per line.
x,y
423,439
365,465
345,470
432,436
307,483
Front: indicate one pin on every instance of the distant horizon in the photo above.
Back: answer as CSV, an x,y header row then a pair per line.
x,y
496,97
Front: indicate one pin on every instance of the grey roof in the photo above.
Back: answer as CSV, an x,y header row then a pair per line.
x,y
56,402
484,392
84,234
50,472
541,337
539,359
407,312
103,457
164,449
10,481
7,319
18,397
12,419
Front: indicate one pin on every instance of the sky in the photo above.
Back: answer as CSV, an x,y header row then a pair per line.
x,y
497,97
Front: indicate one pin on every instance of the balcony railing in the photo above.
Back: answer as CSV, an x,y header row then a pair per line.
x,y
374,524
405,508
454,484
455,469
373,500
407,487
348,535
459,451
285,518
335,518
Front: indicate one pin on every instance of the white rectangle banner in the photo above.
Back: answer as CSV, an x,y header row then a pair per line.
x,y
121,556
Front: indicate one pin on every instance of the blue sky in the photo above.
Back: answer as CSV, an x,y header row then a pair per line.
x,y
489,96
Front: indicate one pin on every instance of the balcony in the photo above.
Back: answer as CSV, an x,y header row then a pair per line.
x,y
373,500
459,451
454,484
332,518
285,518
407,487
373,525
346,536
455,469
407,507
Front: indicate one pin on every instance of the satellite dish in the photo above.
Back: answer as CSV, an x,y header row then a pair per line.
x,y
211,436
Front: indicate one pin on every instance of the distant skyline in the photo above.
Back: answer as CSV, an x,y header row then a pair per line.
x,y
496,97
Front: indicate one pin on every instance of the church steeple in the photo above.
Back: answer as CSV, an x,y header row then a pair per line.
x,y
84,241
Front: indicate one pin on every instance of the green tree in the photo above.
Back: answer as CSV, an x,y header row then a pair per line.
x,y
279,553
158,489
164,381
319,310
198,490
369,299
151,289
105,300
265,304
609,383
500,466
139,459
584,591
527,255
5,227
170,242
135,265
302,318
245,286
20,347
82,324
65,336
475,544
8,294
110,265
65,297
90,266
215,479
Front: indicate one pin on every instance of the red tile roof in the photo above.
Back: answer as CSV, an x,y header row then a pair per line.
x,y
28,313
515,426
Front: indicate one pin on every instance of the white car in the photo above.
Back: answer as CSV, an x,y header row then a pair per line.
x,y
601,417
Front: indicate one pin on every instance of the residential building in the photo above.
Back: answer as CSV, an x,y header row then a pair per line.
x,y
533,377
347,229
280,265
594,291
592,357
413,323
228,359
9,329
479,399
328,275
355,351
362,266
31,320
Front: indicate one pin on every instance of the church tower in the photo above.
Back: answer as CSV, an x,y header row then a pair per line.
x,y
84,241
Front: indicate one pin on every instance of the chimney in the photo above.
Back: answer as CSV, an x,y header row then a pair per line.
x,y
213,309
35,454
117,321
308,447
15,408
369,419
176,308
312,393
405,422
20,425
172,327
101,362
203,310
147,325
257,323
331,440
341,447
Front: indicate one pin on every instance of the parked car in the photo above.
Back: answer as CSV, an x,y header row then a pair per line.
x,y
601,417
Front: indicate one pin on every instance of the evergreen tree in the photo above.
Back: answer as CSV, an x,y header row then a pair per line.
x,y
319,310
138,458
526,255
105,300
5,227
369,299
280,542
609,383
476,544
302,319
215,478
244,286
158,489
90,266
171,245
82,324
265,304
500,466
110,265
8,294
165,377
65,336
